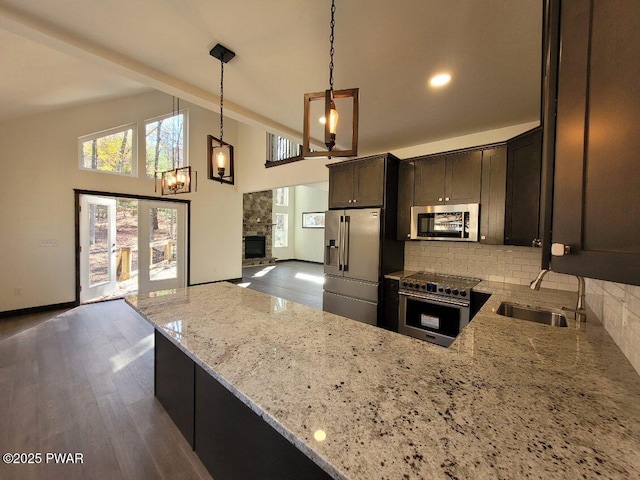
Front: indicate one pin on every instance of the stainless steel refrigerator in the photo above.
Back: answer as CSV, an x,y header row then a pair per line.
x,y
360,248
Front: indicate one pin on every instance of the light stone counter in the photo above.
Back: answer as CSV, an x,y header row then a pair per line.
x,y
509,399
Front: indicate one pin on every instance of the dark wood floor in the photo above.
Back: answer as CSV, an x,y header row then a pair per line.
x,y
300,282
82,381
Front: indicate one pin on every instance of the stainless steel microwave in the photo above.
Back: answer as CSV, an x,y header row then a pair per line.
x,y
445,222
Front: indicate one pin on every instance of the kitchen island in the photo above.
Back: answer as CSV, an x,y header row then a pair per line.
x,y
508,399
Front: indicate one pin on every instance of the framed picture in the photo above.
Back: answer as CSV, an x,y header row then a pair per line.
x,y
313,220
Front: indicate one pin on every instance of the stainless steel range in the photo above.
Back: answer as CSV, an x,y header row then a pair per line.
x,y
435,307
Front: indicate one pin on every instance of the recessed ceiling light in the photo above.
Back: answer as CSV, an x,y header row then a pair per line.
x,y
440,80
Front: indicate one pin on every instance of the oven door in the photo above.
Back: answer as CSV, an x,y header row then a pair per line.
x,y
434,319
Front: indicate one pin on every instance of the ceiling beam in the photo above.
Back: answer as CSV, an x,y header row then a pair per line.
x,y
50,35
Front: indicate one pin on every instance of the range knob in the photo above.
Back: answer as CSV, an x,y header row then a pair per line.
x,y
447,290
454,291
440,289
463,293
411,285
404,284
423,286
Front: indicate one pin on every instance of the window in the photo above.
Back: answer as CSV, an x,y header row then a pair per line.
x,y
165,141
110,151
281,230
282,150
281,197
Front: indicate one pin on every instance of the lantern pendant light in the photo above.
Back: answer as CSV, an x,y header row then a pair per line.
x,y
220,153
331,116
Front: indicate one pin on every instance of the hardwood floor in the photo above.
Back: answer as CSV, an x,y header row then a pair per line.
x,y
82,382
300,282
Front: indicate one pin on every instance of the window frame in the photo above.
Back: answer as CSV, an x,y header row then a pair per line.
x,y
286,197
286,230
104,133
185,137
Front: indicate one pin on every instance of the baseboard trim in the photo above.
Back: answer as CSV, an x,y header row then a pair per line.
x,y
297,260
40,309
230,280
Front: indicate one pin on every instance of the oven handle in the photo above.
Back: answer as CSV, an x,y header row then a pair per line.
x,y
435,299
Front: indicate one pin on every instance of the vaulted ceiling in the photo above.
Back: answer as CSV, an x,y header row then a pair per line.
x,y
57,54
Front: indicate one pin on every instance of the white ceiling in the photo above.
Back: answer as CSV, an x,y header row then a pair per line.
x,y
56,54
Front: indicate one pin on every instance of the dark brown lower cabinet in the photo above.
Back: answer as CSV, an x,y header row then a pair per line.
x,y
391,303
174,384
232,441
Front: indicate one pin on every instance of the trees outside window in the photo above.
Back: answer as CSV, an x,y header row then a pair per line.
x,y
110,151
165,143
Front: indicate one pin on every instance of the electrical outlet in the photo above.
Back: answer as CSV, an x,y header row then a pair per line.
x,y
17,291
49,242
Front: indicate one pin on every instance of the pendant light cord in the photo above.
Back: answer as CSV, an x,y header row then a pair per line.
x,y
331,50
221,99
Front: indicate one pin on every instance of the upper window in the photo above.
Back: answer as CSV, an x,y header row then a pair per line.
x,y
165,141
110,151
281,197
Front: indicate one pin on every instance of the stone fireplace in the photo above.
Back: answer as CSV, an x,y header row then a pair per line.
x,y
257,229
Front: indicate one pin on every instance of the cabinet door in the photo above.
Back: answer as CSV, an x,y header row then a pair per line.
x,y
341,186
596,201
524,162
405,199
463,178
369,183
429,181
494,178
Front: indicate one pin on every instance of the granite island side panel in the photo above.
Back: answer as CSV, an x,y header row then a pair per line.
x,y
509,399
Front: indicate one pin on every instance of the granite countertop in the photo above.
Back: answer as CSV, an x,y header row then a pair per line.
x,y
508,399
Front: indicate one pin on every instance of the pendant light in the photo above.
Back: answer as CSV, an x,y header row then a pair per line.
x,y
220,153
331,116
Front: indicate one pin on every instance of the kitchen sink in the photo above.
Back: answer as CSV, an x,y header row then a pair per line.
x,y
531,314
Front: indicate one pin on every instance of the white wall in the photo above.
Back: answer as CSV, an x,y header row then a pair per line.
x,y
254,177
309,242
465,141
39,156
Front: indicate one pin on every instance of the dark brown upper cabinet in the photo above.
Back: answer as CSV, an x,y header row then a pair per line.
x,y
448,179
596,188
522,215
492,211
361,182
510,204
405,199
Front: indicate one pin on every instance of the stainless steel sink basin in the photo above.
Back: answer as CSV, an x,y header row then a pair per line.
x,y
522,312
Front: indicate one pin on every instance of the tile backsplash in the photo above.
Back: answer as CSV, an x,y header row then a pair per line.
x,y
618,307
615,304
500,263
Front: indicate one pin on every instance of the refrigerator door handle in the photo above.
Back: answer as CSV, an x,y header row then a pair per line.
x,y
340,245
345,244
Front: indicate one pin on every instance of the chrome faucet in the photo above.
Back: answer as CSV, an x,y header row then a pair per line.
x,y
580,310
